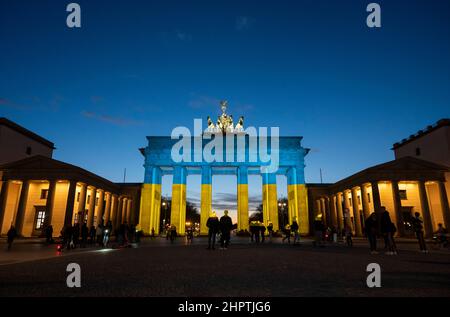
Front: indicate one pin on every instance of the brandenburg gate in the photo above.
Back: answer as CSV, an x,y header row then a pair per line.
x,y
223,149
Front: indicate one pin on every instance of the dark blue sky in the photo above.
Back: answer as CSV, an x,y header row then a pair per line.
x,y
139,68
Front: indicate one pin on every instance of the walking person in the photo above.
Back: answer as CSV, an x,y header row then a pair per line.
x,y
11,235
173,233
287,234
106,233
371,232
348,235
318,232
226,224
417,225
270,231
213,228
294,229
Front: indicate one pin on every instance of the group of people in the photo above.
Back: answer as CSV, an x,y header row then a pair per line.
x,y
80,235
258,231
216,226
380,224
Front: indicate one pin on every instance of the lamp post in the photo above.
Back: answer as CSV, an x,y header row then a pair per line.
x,y
282,206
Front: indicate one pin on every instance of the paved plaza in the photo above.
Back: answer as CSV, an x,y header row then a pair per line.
x,y
157,268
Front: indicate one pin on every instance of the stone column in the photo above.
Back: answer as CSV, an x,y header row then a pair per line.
x,y
426,215
70,203
114,208
129,206
270,200
107,212
365,201
356,213
100,206
118,217
91,207
376,196
298,199
347,215
242,197
3,198
22,206
340,211
323,209
334,222
444,204
150,207
50,203
398,209
206,199
178,212
82,203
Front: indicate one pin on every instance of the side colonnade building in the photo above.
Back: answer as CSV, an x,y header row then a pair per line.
x,y
39,191
403,186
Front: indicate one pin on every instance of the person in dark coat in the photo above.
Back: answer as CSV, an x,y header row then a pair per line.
x,y
226,224
92,233
262,230
387,230
270,230
294,229
213,225
417,225
11,235
49,234
76,230
371,226
84,234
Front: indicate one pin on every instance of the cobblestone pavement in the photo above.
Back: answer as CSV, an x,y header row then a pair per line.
x,y
157,268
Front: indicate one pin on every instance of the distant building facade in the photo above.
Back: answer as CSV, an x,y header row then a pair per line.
x,y
17,143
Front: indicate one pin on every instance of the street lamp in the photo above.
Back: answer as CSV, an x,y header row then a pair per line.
x,y
282,206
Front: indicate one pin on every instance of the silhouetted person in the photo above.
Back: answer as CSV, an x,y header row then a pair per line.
x,y
287,234
417,225
11,235
371,228
387,230
254,231
76,231
226,224
49,234
84,234
262,230
318,232
348,235
92,233
106,234
270,231
173,233
294,229
213,225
